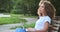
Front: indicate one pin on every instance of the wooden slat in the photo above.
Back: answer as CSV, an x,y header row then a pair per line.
x,y
55,28
57,22
56,25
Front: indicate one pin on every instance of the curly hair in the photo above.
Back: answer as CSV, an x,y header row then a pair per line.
x,y
50,9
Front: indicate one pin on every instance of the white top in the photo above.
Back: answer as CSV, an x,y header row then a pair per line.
x,y
41,21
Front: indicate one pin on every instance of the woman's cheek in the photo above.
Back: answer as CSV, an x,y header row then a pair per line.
x,y
42,10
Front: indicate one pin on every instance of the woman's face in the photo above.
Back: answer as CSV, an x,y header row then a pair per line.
x,y
42,8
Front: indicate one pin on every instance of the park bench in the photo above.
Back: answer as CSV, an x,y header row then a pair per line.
x,y
54,27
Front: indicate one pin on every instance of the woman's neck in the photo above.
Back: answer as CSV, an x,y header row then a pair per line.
x,y
44,14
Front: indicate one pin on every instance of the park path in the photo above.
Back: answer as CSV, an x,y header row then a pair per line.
x,y
6,27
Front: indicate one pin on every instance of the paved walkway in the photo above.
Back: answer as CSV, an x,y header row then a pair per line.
x,y
6,27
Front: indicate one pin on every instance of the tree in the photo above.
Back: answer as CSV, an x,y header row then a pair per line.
x,y
6,5
56,3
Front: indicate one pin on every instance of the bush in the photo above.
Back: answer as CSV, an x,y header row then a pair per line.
x,y
17,11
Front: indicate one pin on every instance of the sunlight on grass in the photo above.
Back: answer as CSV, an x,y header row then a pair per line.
x,y
11,20
15,18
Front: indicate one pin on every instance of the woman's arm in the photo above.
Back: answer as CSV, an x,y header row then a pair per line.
x,y
43,30
46,25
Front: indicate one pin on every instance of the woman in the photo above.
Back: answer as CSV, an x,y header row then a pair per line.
x,y
42,2
46,12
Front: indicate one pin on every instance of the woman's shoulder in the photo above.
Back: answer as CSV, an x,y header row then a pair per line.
x,y
47,17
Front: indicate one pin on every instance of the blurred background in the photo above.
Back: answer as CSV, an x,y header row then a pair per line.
x,y
21,13
24,6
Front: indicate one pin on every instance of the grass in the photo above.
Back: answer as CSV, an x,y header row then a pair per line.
x,y
11,20
25,26
15,18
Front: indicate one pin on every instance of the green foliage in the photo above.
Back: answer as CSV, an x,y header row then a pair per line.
x,y
25,6
6,5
